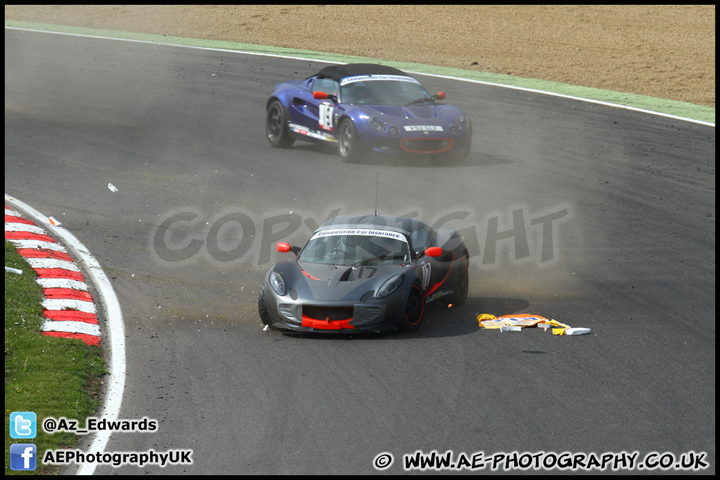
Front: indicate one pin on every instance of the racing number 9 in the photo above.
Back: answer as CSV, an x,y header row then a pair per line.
x,y
326,110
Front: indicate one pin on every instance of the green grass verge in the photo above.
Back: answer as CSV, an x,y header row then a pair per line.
x,y
53,377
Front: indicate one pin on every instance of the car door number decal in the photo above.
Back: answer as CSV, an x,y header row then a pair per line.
x,y
426,275
325,116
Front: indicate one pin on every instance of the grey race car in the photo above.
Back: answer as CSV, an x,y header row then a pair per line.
x,y
364,274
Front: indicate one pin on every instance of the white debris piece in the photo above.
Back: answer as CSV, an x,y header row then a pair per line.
x,y
112,187
54,221
576,331
511,328
13,270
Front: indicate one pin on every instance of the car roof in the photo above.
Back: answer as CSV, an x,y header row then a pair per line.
x,y
339,71
379,222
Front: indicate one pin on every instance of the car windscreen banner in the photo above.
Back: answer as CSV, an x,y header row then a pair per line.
x,y
360,231
368,78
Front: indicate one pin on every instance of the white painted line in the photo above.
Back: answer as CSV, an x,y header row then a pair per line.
x,y
24,227
71,327
68,304
38,244
115,334
52,263
61,283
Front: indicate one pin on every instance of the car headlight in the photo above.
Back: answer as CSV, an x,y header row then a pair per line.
x,y
277,283
462,123
375,124
390,285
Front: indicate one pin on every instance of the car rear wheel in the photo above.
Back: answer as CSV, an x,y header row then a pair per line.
x,y
276,126
414,310
348,142
461,282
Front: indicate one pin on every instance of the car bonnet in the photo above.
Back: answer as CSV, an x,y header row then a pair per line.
x,y
325,282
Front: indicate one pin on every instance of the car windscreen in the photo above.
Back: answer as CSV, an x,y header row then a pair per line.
x,y
382,90
350,247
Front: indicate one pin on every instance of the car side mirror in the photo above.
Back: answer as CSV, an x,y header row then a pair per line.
x,y
284,247
324,96
434,252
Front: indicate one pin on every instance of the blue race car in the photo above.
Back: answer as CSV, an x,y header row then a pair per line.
x,y
364,273
367,108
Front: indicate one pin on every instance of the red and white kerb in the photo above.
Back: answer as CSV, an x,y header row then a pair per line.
x,y
68,307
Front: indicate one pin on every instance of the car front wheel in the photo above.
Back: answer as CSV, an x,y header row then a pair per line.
x,y
414,310
262,309
348,142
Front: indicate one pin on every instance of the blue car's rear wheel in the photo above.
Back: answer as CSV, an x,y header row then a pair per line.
x,y
414,310
276,126
348,142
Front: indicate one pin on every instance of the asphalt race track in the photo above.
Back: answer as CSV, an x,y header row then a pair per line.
x,y
594,216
